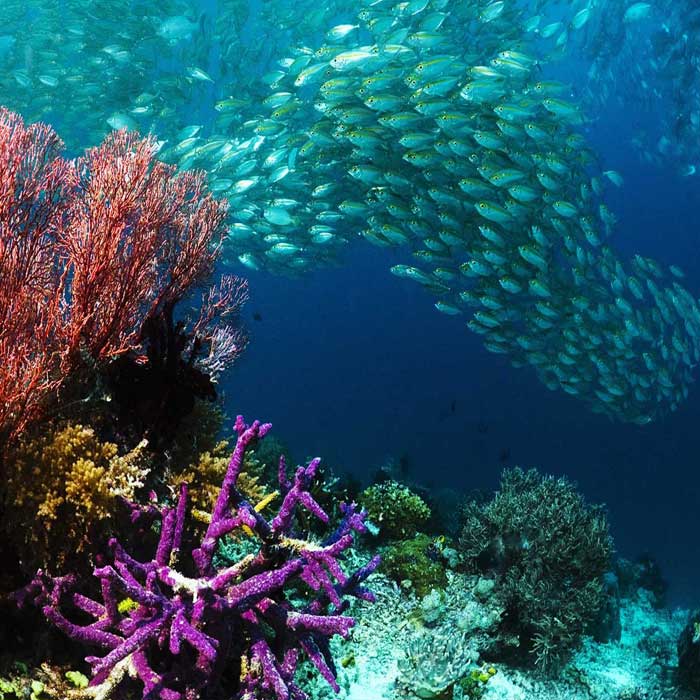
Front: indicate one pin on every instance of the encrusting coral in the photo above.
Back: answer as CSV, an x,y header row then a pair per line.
x,y
62,483
191,625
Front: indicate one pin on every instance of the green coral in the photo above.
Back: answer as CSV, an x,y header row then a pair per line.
x,y
45,682
547,551
473,685
127,605
397,511
16,689
411,560
79,680
9,689
231,550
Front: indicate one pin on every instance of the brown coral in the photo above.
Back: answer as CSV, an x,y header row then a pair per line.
x,y
62,483
205,475
198,458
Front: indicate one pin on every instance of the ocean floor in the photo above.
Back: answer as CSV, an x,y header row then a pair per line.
x,y
439,647
405,647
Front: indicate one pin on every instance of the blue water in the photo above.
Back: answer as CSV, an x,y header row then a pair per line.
x,y
357,366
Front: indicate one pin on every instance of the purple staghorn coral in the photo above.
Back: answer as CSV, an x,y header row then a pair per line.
x,y
184,636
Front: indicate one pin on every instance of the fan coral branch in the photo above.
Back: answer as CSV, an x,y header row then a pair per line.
x,y
92,253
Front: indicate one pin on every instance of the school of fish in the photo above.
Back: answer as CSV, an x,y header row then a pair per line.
x,y
425,125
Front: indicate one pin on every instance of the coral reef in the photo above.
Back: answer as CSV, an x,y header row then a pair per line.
x,y
643,572
415,564
200,458
200,431
32,179
97,253
547,551
204,478
188,628
389,651
394,509
433,664
689,653
61,486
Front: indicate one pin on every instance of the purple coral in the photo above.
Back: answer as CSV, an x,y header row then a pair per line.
x,y
181,635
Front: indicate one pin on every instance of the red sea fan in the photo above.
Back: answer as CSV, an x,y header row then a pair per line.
x,y
138,240
91,251
35,189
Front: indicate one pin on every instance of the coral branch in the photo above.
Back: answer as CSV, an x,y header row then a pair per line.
x,y
94,256
182,631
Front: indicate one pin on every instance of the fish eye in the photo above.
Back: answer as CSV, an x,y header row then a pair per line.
x,y
482,205
420,67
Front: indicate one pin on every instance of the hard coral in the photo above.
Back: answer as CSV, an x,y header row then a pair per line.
x,y
61,483
195,627
395,509
412,561
205,475
433,664
199,457
547,550
689,654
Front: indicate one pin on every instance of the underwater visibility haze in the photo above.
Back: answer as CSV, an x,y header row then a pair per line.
x,y
449,249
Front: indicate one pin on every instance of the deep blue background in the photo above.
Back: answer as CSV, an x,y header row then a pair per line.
x,y
357,366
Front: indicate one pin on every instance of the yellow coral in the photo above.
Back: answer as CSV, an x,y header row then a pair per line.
x,y
62,482
205,477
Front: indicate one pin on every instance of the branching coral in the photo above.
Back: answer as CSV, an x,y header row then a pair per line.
x,y
190,627
200,458
205,475
61,484
95,254
548,551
